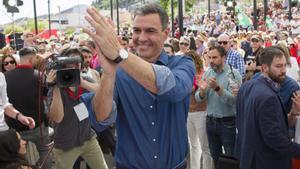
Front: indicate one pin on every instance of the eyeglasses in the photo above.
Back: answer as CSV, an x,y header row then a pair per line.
x,y
223,42
9,62
185,44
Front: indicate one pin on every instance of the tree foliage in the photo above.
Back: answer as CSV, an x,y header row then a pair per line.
x,y
166,4
13,28
30,26
105,4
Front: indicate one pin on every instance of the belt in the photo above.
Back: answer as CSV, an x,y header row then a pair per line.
x,y
222,119
182,165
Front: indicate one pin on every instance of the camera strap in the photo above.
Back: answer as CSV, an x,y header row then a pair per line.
x,y
76,94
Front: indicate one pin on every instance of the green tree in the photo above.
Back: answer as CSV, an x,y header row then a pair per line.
x,y
30,26
105,4
13,28
166,4
70,30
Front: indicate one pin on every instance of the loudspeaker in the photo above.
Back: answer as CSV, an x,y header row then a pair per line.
x,y
16,41
2,41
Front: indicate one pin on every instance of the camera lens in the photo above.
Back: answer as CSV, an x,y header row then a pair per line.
x,y
67,77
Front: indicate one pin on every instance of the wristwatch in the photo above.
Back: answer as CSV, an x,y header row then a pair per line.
x,y
217,88
123,54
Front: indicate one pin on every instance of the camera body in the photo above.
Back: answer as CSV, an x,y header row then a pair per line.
x,y
65,77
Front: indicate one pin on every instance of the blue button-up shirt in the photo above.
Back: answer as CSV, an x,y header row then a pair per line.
x,y
151,128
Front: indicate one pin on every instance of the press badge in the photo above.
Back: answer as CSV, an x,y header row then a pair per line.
x,y
81,111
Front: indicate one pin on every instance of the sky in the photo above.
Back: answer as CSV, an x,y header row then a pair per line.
x,y
42,8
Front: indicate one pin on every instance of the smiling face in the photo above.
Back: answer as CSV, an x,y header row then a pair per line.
x,y
184,44
9,64
148,36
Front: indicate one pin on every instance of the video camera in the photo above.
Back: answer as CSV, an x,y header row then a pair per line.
x,y
65,77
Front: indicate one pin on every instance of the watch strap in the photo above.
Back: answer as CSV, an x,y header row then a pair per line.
x,y
118,59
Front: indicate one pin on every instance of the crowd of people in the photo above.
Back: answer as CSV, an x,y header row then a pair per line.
x,y
155,101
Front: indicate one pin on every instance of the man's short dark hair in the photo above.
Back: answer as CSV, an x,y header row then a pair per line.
x,y
153,8
268,54
27,51
169,46
220,49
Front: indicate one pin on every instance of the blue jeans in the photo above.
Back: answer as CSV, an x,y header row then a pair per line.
x,y
220,132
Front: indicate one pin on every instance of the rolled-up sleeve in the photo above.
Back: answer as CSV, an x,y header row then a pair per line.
x,y
197,96
175,83
98,125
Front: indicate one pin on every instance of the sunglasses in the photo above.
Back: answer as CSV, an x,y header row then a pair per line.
x,y
9,62
185,44
254,40
223,42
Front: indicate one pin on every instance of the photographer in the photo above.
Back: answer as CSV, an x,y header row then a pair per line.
x,y
73,136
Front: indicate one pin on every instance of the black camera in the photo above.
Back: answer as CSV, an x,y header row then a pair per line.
x,y
65,77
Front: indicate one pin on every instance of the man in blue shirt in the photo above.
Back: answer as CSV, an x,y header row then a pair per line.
x,y
150,91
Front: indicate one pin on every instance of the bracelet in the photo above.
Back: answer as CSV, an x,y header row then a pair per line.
x,y
17,116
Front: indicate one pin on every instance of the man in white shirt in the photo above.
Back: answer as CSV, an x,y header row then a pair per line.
x,y
9,110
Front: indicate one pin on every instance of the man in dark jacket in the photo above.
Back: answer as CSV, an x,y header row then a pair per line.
x,y
262,123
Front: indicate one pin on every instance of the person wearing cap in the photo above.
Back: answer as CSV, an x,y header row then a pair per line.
x,y
22,90
251,57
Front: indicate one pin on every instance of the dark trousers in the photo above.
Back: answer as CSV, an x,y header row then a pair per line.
x,y
220,132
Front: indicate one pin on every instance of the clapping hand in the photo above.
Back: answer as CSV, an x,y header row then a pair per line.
x,y
212,82
296,103
203,85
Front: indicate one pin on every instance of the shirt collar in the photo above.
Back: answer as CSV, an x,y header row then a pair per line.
x,y
20,66
163,58
275,86
225,69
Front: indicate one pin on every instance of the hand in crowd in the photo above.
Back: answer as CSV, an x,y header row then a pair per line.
x,y
203,85
104,36
51,76
296,103
212,82
27,121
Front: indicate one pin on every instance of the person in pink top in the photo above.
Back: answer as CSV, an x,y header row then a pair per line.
x,y
94,63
